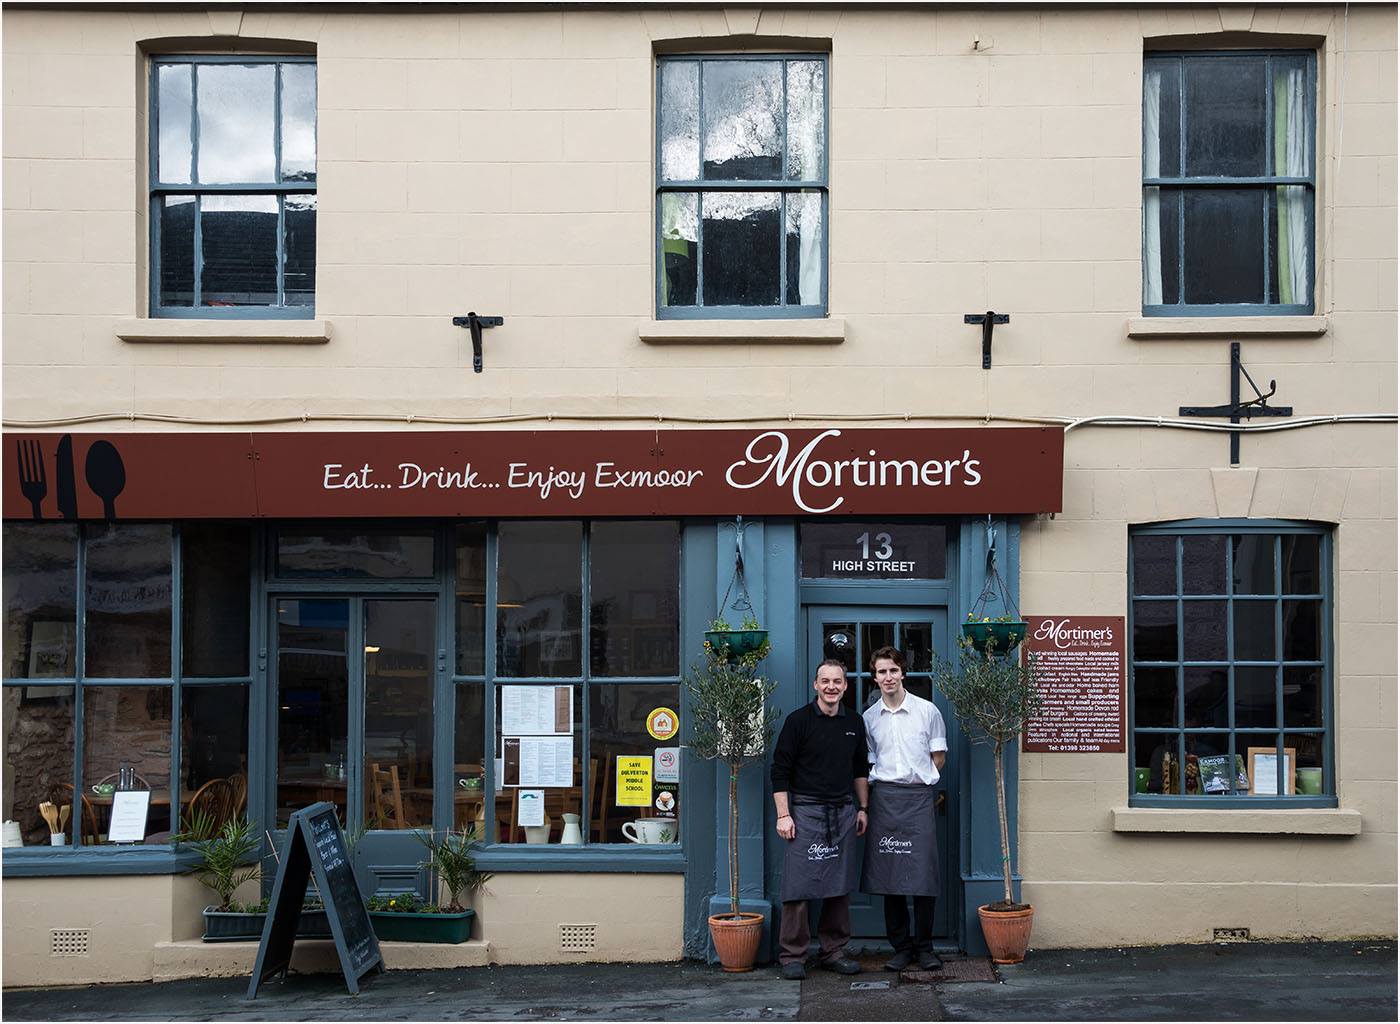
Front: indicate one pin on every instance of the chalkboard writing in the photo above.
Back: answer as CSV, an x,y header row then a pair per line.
x,y
316,848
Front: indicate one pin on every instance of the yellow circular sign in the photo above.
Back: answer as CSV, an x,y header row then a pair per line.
x,y
663,723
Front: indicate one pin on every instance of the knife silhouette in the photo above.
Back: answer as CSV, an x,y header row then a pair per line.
x,y
65,491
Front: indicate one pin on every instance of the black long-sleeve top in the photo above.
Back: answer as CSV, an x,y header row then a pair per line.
x,y
820,755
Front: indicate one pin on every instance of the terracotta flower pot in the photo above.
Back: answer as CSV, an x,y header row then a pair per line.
x,y
736,939
1008,933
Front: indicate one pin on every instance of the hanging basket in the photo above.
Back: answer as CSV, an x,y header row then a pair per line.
x,y
736,643
1001,636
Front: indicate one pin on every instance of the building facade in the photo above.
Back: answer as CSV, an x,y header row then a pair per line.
x,y
913,312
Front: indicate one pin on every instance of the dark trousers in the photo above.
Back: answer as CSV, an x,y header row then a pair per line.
x,y
833,929
897,923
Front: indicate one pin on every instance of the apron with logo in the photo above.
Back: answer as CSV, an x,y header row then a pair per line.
x,y
901,841
820,862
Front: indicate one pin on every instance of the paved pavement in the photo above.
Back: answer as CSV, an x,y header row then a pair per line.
x,y
1246,982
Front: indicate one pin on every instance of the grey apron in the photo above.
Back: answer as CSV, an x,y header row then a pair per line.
x,y
901,842
821,861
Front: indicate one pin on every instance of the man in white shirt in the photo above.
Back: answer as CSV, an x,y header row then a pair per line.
x,y
908,743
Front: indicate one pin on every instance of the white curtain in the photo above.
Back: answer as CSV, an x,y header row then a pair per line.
x,y
1152,198
808,208
1292,131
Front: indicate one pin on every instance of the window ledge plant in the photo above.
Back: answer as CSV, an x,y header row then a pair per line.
x,y
407,917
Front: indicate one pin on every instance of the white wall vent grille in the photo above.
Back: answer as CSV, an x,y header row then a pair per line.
x,y
68,942
578,938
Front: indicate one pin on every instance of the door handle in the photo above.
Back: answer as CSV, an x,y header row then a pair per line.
x,y
942,805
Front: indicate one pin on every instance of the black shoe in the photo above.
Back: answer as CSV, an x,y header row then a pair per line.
x,y
930,961
841,965
899,961
794,971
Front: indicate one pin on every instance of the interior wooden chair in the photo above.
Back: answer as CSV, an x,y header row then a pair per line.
x,y
216,799
88,829
238,782
599,782
386,796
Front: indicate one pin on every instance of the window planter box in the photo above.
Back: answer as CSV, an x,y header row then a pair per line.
x,y
739,641
228,926
398,927
1005,634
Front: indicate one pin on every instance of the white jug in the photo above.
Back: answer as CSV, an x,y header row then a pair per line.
x,y
573,835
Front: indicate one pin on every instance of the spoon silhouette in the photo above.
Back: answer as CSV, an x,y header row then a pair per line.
x,y
106,475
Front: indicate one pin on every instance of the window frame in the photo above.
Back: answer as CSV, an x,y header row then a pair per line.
x,y
506,856
158,190
1326,662
781,187
1182,184
142,858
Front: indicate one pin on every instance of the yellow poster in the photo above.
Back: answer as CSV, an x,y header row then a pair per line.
x,y
634,782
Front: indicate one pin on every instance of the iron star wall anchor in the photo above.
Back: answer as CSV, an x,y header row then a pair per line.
x,y
475,323
1236,409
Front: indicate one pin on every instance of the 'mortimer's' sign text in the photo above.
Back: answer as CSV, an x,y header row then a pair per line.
x,y
833,471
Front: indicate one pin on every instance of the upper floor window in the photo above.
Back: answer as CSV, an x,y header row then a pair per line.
x,y
1229,174
1231,687
233,186
741,190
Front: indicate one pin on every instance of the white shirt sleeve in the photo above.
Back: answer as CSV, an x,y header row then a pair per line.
x,y
938,732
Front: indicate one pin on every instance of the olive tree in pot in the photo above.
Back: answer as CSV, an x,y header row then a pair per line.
x,y
730,722
993,695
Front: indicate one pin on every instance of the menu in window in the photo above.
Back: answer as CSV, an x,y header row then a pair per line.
x,y
129,812
537,710
538,761
1079,667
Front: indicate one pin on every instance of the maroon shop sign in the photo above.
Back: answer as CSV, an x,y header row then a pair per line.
x,y
914,471
1079,661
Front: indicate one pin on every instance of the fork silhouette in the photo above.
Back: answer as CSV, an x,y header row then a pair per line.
x,y
33,484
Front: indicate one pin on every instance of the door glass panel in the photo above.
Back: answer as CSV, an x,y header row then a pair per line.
x,y
398,757
839,641
313,703
918,647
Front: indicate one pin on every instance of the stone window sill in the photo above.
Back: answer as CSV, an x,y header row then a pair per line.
x,y
1305,821
258,332
818,331
1230,327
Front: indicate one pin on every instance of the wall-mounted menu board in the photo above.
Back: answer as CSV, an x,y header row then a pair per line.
x,y
1079,661
316,847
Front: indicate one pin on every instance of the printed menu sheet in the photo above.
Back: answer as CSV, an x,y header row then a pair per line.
x,y
537,710
129,812
543,762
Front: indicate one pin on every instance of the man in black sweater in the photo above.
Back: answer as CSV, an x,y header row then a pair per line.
x,y
820,759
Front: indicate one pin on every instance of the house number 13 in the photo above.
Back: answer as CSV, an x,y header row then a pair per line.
x,y
884,549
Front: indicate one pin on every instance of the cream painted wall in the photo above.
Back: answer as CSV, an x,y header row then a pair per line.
x,y
980,158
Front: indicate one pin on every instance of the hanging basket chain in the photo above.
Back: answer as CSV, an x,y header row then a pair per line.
x,y
741,600
993,585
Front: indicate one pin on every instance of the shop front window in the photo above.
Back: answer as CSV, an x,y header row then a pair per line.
x,y
1230,682
90,714
579,745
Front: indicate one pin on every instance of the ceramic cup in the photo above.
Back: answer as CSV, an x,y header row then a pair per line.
x,y
536,834
1141,777
11,835
650,830
472,783
58,839
1309,781
104,788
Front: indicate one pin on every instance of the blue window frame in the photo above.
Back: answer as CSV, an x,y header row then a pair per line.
x,y
583,610
233,187
1229,176
1230,688
126,645
741,186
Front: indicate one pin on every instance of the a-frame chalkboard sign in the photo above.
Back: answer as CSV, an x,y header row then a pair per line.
x,y
316,846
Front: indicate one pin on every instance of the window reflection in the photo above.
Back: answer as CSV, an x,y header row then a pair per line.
x,y
128,727
40,580
236,119
128,602
634,590
38,728
539,599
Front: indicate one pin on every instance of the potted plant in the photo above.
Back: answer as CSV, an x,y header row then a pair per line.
x,y
1000,632
406,917
730,721
992,695
750,639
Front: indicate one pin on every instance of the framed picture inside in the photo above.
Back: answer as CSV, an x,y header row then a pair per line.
x,y
52,644
1263,770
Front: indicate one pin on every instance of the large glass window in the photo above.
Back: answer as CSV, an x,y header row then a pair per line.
x,y
1229,174
125,677
565,728
1230,682
233,186
741,186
